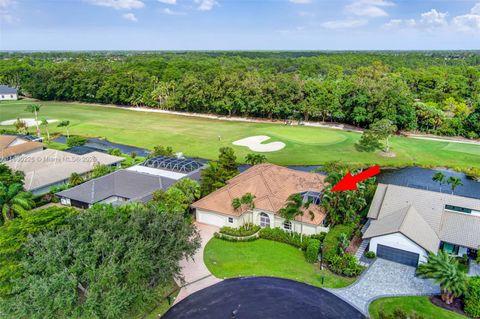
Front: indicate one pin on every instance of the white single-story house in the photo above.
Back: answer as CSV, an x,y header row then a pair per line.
x,y
271,185
12,146
7,93
405,224
49,168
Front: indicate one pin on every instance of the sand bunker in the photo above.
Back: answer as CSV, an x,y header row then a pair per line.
x,y
254,143
28,122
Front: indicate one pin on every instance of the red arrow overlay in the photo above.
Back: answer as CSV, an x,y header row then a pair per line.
x,y
349,182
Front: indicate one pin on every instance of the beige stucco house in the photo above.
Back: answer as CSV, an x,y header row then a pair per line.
x,y
271,185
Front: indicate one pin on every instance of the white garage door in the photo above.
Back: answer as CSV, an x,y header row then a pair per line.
x,y
211,219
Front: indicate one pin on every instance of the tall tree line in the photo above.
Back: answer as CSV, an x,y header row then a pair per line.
x,y
435,92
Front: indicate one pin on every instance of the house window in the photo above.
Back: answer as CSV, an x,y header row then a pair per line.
x,y
264,220
450,248
230,220
458,209
287,225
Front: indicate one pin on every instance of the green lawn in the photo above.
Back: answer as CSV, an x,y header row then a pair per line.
x,y
265,258
199,137
420,305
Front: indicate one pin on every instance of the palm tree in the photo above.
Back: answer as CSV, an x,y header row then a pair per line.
x,y
439,177
295,207
45,125
34,108
454,182
65,124
443,269
14,201
236,203
75,179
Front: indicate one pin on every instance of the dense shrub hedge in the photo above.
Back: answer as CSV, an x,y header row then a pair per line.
x,y
330,244
313,247
346,265
472,298
245,230
291,238
234,239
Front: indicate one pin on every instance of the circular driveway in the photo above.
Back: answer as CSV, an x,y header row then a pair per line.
x,y
262,297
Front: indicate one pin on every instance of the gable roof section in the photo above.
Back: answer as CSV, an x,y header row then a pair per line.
x,y
6,140
408,222
20,149
50,166
452,227
123,183
460,229
271,185
7,90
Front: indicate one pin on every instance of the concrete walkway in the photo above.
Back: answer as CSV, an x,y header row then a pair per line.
x,y
194,271
385,279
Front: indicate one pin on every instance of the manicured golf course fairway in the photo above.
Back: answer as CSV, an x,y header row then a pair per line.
x,y
200,137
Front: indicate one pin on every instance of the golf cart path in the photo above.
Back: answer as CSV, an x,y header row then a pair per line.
x,y
336,126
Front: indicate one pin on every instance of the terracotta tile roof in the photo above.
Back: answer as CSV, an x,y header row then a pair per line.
x,y
6,140
271,185
8,151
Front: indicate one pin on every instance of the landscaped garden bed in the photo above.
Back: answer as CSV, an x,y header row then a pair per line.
x,y
266,258
420,305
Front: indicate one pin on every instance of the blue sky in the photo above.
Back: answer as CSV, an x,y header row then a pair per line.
x,y
239,24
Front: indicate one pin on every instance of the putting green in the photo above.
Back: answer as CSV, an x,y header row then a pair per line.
x,y
463,148
305,135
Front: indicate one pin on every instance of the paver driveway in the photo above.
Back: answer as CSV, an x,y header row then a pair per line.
x,y
383,279
194,271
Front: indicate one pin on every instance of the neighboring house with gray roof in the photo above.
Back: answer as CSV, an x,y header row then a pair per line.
x,y
7,93
136,183
116,188
50,168
407,223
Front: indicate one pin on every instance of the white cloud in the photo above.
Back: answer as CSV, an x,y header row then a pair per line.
x,y
119,4
168,1
300,1
434,19
5,15
400,23
172,12
344,24
475,9
130,16
369,8
470,21
6,3
206,5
